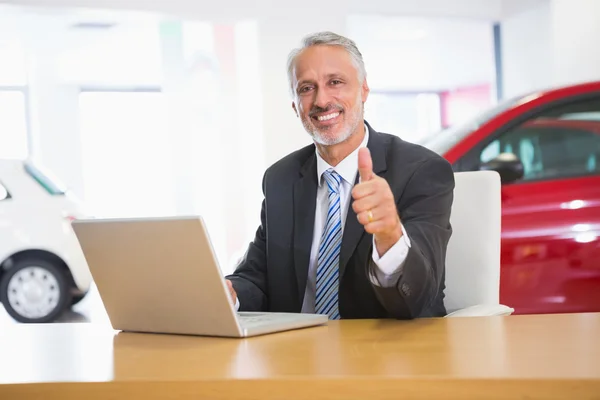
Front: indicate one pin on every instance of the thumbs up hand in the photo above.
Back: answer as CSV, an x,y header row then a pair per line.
x,y
374,205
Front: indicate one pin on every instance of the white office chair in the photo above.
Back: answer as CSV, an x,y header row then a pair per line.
x,y
473,256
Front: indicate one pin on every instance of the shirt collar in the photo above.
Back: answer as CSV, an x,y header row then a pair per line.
x,y
347,168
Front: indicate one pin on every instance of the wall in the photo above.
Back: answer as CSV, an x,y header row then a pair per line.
x,y
424,54
283,130
549,43
459,105
576,46
526,37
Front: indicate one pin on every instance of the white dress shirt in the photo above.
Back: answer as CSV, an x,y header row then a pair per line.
x,y
388,268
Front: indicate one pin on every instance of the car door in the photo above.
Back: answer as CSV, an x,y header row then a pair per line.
x,y
550,253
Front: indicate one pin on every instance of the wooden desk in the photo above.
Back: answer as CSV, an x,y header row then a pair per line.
x,y
533,357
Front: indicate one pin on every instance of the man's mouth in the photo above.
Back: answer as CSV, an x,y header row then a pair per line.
x,y
327,117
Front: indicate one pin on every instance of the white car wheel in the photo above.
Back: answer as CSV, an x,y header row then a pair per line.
x,y
34,291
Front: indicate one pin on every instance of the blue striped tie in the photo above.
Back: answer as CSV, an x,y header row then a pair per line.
x,y
326,301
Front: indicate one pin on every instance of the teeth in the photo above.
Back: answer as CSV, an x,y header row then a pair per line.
x,y
328,116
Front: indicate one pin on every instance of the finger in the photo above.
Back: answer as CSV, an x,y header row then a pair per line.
x,y
366,203
375,227
365,164
365,188
382,225
376,214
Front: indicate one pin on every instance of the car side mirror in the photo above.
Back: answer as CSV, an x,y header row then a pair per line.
x,y
508,165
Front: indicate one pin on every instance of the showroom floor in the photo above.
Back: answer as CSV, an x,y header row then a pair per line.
x,y
90,309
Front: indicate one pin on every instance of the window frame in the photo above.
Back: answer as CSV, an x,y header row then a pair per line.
x,y
470,161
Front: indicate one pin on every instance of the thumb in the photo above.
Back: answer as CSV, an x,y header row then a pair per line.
x,y
365,164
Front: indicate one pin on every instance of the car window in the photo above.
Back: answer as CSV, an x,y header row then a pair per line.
x,y
584,116
550,150
442,141
43,178
559,140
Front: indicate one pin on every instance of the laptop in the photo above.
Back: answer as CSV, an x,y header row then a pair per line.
x,y
161,275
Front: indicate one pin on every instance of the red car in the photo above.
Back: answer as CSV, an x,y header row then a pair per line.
x,y
546,148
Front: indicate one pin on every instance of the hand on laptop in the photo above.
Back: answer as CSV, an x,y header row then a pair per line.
x,y
232,292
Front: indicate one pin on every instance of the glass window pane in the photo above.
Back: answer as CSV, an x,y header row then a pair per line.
x,y
126,154
562,142
45,179
13,125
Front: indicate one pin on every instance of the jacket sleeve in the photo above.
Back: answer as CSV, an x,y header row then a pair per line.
x,y
424,209
250,276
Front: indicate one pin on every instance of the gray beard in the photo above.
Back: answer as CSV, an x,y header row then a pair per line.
x,y
326,140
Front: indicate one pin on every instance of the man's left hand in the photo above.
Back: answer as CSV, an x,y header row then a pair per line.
x,y
374,205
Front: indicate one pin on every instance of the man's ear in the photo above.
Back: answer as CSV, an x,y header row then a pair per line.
x,y
365,90
295,110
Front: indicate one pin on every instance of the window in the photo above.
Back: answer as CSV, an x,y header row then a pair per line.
x,y
561,143
13,124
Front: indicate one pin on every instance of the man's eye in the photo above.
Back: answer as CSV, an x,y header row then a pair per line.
x,y
304,89
336,82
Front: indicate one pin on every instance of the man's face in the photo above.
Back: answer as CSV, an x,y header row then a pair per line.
x,y
328,95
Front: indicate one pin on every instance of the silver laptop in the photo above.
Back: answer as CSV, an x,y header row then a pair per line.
x,y
161,275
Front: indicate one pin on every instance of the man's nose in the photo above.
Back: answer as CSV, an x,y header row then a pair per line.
x,y
322,99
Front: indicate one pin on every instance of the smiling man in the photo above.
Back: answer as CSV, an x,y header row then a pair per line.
x,y
355,225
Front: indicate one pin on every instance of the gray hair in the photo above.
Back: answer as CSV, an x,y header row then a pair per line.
x,y
327,39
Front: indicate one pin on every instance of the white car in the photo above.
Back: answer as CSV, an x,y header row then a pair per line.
x,y
42,268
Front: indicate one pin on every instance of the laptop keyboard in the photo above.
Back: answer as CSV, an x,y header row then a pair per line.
x,y
254,319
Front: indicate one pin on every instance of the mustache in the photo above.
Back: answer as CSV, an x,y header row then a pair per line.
x,y
319,110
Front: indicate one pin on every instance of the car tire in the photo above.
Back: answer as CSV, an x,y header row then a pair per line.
x,y
39,282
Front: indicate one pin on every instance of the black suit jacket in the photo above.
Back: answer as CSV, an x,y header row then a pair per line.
x,y
272,275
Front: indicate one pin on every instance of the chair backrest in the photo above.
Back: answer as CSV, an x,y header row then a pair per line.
x,y
473,257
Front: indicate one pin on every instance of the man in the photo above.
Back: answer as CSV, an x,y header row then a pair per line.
x,y
355,225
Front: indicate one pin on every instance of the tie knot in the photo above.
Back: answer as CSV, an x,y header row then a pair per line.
x,y
333,180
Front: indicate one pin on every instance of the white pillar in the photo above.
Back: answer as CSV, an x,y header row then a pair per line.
x,y
53,113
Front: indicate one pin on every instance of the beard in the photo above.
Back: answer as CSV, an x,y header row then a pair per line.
x,y
351,121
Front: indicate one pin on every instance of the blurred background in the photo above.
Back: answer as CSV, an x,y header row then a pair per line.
x,y
138,108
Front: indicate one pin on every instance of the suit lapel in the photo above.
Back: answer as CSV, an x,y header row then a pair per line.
x,y
305,198
353,230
